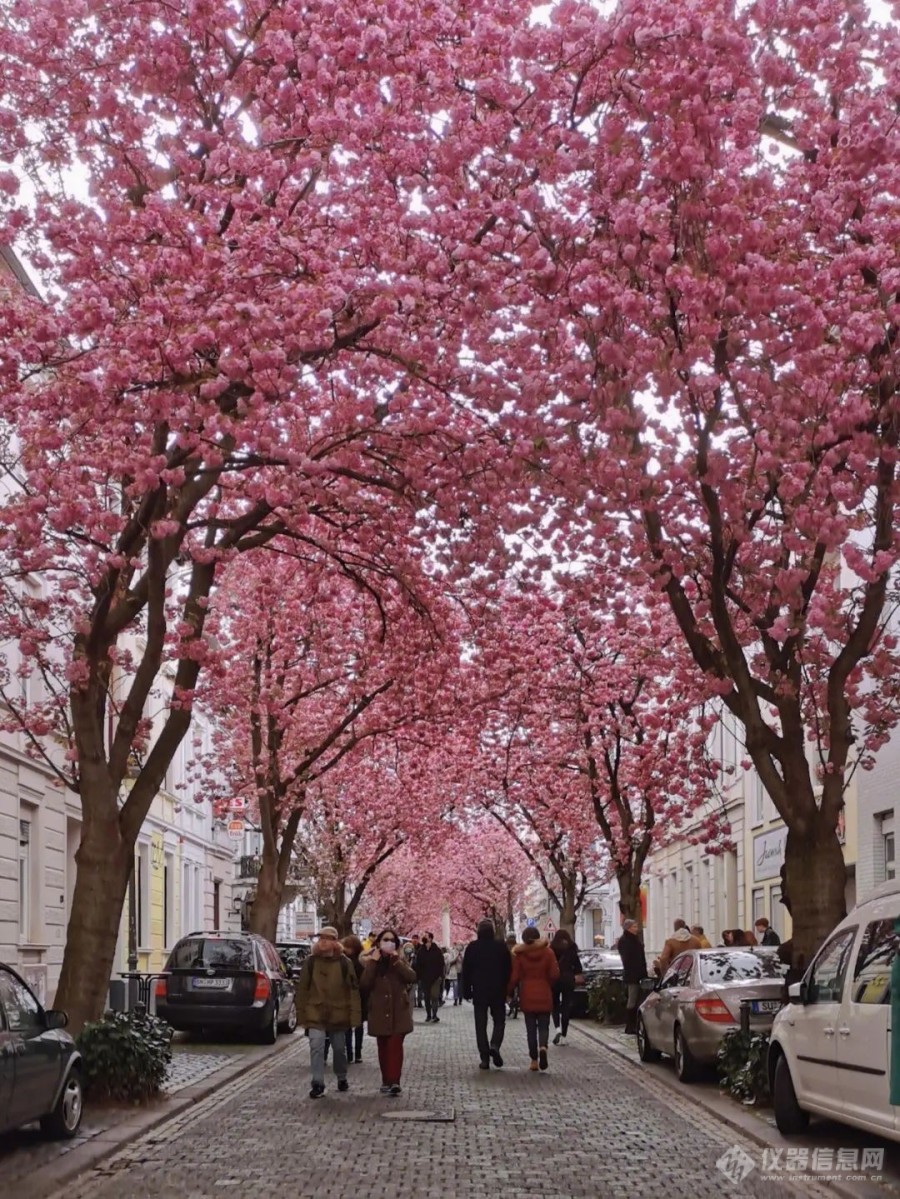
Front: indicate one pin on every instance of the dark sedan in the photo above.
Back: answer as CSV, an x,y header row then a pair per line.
x,y
597,964
40,1066
227,981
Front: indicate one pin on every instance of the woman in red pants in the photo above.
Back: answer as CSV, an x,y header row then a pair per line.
x,y
385,981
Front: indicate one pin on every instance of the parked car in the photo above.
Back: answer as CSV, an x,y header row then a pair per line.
x,y
293,954
230,981
40,1066
596,964
830,1050
698,1000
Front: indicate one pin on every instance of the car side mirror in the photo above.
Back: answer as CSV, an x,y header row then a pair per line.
x,y
649,984
797,993
55,1018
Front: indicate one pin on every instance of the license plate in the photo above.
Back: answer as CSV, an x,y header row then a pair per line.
x,y
211,984
765,1006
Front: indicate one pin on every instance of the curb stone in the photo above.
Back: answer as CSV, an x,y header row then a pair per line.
x,y
47,1179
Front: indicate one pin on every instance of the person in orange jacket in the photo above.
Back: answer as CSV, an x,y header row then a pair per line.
x,y
534,971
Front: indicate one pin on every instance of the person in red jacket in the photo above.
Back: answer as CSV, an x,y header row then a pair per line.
x,y
534,971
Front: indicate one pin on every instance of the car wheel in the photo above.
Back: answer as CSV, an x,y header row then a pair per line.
x,y
269,1034
65,1119
790,1118
646,1052
290,1024
685,1063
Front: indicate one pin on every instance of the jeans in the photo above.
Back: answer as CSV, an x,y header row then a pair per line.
x,y
354,1034
498,1015
317,1054
562,1007
537,1029
390,1058
457,994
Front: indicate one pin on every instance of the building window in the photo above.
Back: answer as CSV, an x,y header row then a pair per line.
x,y
776,911
25,876
759,903
169,936
142,895
890,869
759,795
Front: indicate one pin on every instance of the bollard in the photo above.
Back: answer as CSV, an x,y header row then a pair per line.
x,y
745,1016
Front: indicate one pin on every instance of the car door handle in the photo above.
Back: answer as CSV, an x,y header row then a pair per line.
x,y
844,1031
827,1032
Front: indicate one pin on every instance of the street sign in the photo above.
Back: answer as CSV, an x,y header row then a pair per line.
x,y
550,927
531,922
235,829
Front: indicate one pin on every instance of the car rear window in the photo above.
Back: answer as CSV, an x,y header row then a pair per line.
x,y
205,952
732,966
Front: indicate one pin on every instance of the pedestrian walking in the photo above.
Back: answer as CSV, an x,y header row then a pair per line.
x,y
385,983
535,970
353,948
486,968
697,931
328,1004
634,968
570,976
765,934
452,970
411,952
429,968
681,940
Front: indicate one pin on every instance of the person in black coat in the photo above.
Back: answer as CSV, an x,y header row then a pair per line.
x,y
486,968
570,970
429,968
634,968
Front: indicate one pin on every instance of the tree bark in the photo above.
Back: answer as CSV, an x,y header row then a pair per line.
x,y
815,876
568,909
275,861
629,882
104,859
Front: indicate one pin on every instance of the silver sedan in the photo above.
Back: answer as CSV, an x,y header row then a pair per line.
x,y
698,1001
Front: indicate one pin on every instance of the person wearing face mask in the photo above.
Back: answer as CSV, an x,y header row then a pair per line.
x,y
385,981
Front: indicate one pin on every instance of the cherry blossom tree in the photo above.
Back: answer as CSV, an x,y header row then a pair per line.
x,y
701,358
231,350
310,665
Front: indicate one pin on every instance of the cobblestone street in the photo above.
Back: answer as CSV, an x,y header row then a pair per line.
x,y
591,1126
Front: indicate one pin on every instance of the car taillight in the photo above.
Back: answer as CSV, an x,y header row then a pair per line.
x,y
160,989
713,1010
263,989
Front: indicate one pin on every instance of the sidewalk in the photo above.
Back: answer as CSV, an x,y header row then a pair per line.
x,y
36,1166
758,1123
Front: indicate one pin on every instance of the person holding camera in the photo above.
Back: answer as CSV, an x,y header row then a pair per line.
x,y
385,982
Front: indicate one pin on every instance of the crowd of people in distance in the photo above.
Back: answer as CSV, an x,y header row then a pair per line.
x,y
347,985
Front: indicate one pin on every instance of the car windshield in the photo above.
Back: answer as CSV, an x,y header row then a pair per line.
x,y
728,966
205,952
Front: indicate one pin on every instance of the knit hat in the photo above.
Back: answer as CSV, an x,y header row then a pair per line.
x,y
328,931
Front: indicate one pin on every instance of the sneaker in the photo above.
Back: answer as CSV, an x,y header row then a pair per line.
x,y
532,1065
435,1019
343,1085
384,1090
496,1058
358,1060
317,1090
562,1041
542,1057
484,1064
557,1038
394,1090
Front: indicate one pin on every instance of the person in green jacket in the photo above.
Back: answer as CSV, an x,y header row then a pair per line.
x,y
328,1003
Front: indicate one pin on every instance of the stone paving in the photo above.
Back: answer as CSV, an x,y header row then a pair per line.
x,y
592,1126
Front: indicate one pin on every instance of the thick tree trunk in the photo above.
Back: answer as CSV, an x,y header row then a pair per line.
x,y
815,876
104,861
567,913
630,894
267,903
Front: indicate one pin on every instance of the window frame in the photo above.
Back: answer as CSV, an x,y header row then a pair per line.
x,y
850,934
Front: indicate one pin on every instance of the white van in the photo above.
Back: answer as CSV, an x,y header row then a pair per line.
x,y
830,1047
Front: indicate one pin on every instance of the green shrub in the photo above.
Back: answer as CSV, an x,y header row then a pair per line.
x,y
126,1056
741,1066
607,999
